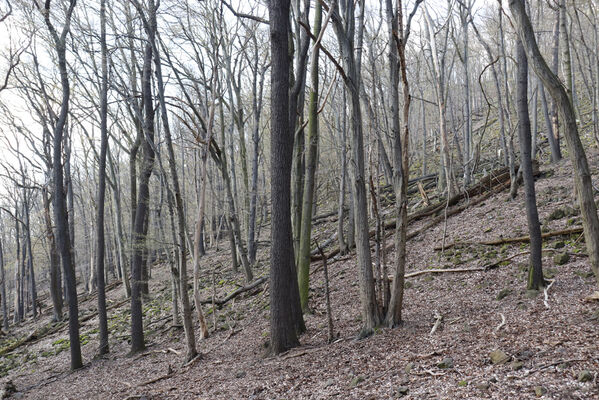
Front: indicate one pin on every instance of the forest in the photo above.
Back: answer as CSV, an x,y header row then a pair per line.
x,y
368,199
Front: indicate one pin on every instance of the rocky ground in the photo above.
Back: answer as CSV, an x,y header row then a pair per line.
x,y
496,340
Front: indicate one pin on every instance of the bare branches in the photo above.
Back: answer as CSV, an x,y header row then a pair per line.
x,y
8,13
243,15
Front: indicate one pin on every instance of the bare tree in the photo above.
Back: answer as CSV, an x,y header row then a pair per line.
x,y
60,209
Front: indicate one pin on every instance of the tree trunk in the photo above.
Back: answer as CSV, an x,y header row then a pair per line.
x,y
582,174
3,285
143,199
284,294
345,36
101,195
535,275
303,261
61,218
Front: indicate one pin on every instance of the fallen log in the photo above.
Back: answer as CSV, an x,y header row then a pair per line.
x,y
488,186
519,239
243,289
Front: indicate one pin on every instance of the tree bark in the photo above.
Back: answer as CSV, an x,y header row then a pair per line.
x,y
283,279
303,260
61,218
582,174
535,274
101,195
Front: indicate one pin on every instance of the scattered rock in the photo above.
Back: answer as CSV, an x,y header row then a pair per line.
x,y
329,382
593,297
516,365
7,390
559,244
483,385
503,294
402,391
240,374
409,367
556,214
561,258
446,363
585,376
357,380
540,391
499,357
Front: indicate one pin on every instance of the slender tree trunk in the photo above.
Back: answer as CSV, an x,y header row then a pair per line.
x,y
143,199
61,218
30,268
554,105
345,35
582,174
401,153
3,285
303,261
101,194
119,229
535,275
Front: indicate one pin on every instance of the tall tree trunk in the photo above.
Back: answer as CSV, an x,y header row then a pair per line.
x,y
582,174
143,199
303,261
284,294
187,320
118,214
468,161
399,36
3,284
535,275
345,31
61,218
554,105
101,194
31,271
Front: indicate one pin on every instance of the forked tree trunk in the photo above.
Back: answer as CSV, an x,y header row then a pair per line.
x,y
61,218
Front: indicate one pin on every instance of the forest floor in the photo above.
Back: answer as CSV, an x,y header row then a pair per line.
x,y
542,350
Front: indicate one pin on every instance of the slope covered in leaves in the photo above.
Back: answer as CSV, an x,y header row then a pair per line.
x,y
495,339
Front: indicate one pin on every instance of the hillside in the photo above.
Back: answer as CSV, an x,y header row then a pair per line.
x,y
542,350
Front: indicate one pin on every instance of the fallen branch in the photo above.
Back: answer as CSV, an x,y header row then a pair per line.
x,y
546,293
438,320
492,184
501,324
441,271
222,302
545,366
166,376
519,239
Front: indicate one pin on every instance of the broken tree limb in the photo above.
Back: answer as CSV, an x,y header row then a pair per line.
x,y
501,324
546,294
438,320
519,239
243,289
